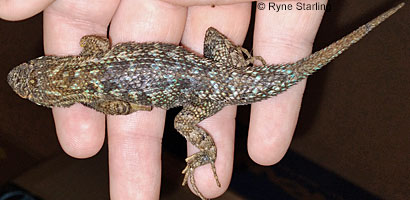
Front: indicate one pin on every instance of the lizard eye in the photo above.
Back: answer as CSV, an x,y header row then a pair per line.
x,y
32,82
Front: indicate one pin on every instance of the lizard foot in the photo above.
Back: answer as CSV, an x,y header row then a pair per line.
x,y
251,59
194,161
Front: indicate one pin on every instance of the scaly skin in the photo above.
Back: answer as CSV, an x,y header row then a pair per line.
x,y
131,76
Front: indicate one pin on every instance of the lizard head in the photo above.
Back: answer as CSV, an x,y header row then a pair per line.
x,y
25,79
37,79
18,79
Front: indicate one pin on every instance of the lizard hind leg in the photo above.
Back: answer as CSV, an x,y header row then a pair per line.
x,y
219,48
251,59
186,124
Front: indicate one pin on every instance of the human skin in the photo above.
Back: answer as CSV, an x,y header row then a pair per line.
x,y
135,140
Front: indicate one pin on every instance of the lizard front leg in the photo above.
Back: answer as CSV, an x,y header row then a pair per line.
x,y
109,107
94,45
186,124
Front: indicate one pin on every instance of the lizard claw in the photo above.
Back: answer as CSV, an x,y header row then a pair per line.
x,y
187,174
251,59
194,161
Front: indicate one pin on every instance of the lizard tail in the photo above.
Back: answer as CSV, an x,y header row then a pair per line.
x,y
314,62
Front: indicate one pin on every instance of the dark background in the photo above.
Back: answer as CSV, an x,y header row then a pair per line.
x,y
354,121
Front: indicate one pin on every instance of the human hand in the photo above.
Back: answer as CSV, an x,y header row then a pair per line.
x,y
135,140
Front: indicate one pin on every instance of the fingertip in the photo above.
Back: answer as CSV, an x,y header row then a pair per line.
x,y
19,10
80,130
272,124
269,142
206,183
268,152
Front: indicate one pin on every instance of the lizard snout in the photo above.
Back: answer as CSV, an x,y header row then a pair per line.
x,y
17,79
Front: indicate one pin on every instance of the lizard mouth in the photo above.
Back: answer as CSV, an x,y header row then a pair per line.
x,y
17,79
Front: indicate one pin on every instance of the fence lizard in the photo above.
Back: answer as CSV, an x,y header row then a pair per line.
x,y
130,77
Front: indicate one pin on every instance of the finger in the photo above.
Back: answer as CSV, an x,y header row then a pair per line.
x,y
80,130
134,143
21,9
205,2
135,140
280,37
233,21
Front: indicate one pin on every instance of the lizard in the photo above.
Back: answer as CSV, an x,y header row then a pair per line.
x,y
129,77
